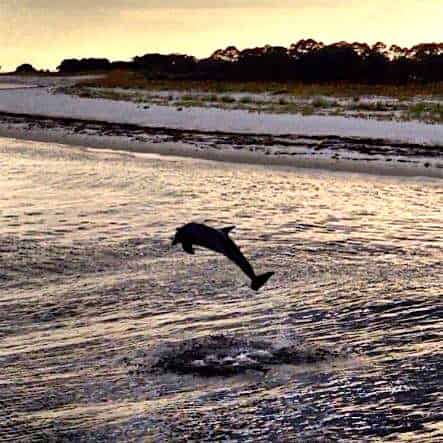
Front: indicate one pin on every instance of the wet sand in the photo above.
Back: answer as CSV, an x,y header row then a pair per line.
x,y
92,295
353,154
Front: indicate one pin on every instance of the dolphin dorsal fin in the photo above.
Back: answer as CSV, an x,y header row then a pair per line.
x,y
227,230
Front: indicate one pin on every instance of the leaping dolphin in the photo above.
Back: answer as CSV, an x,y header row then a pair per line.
x,y
218,240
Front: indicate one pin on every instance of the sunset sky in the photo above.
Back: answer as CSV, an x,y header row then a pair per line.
x,y
43,32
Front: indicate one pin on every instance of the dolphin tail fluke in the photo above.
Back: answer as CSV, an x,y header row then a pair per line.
x,y
260,280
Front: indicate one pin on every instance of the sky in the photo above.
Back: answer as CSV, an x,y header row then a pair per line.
x,y
44,32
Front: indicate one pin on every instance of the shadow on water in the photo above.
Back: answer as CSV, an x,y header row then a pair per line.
x,y
222,355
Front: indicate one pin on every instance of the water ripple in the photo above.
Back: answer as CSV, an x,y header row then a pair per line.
x,y
90,286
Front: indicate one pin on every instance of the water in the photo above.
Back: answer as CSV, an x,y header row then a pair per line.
x,y
14,86
91,292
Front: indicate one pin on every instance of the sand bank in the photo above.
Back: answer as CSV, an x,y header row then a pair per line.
x,y
338,143
331,152
42,102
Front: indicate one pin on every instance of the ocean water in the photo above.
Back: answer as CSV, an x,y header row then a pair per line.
x,y
92,293
14,86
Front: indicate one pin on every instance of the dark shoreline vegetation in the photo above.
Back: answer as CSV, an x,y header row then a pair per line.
x,y
306,61
135,80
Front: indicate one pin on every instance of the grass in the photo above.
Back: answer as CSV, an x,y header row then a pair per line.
x,y
320,102
307,110
132,80
246,100
371,107
417,110
432,112
189,103
227,99
105,94
412,101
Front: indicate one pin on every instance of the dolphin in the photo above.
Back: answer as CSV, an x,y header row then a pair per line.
x,y
218,240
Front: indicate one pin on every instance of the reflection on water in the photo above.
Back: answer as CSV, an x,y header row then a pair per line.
x,y
14,86
90,286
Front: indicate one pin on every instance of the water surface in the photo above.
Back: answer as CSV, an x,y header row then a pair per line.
x,y
15,86
90,287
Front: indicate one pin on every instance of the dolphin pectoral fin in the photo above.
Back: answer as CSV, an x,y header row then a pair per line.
x,y
187,247
227,230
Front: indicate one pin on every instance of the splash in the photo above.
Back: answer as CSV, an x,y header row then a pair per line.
x,y
225,355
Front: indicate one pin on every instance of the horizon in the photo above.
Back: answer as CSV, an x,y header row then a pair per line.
x,y
43,34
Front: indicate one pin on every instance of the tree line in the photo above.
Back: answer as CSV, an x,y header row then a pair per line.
x,y
306,61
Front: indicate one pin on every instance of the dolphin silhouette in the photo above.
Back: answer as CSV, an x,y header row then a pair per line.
x,y
218,240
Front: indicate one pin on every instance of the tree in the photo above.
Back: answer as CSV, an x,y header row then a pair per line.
x,y
230,54
307,60
25,68
73,65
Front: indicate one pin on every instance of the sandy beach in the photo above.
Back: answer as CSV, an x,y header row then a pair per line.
x,y
338,143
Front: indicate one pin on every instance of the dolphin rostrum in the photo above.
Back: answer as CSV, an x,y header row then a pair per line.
x,y
218,240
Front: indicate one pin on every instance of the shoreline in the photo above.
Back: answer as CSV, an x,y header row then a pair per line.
x,y
39,102
333,153
322,142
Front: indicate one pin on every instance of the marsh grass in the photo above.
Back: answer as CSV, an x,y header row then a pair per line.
x,y
227,99
133,80
409,102
432,112
320,102
308,110
378,106
417,109
246,100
